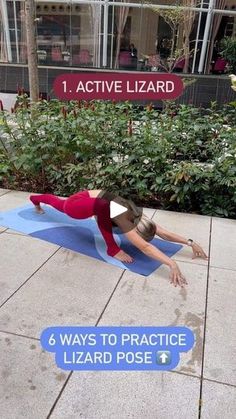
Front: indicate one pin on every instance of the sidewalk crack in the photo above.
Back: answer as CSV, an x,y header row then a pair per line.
x,y
205,319
25,282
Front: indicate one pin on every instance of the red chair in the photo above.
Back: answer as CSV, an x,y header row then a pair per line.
x,y
179,65
83,58
56,54
220,65
125,59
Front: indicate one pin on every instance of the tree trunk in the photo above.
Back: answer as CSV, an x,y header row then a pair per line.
x,y
186,55
32,50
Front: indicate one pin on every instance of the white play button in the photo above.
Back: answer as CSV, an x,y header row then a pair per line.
x,y
116,209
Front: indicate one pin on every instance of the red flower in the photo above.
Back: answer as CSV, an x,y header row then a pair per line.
x,y
130,128
64,112
149,107
18,90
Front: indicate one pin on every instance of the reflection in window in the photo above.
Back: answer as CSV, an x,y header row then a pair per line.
x,y
138,38
3,46
66,34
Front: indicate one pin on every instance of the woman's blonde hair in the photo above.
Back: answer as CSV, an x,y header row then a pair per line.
x,y
145,227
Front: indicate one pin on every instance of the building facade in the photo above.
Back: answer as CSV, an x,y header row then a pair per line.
x,y
178,35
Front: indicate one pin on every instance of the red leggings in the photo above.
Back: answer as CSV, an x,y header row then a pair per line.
x,y
81,206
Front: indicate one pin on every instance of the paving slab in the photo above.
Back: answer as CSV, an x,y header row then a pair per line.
x,y
4,191
153,301
18,233
8,100
223,248
30,379
13,199
190,226
20,257
149,212
2,229
70,289
218,401
220,343
139,395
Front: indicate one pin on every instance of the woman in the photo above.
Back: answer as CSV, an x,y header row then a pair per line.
x,y
138,228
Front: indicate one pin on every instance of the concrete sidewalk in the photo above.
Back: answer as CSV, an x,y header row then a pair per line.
x,y
44,285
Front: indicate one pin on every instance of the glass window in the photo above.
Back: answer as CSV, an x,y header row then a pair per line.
x,y
68,34
134,37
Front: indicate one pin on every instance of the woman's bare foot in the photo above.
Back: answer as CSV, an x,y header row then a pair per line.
x,y
39,210
123,257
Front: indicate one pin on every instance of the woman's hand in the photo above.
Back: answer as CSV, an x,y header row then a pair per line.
x,y
176,276
198,252
123,257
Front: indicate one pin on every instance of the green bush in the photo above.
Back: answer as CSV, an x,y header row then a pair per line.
x,y
228,52
182,158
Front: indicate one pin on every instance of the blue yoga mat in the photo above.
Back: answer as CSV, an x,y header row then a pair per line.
x,y
82,236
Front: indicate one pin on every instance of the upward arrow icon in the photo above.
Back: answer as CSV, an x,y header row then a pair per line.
x,y
163,358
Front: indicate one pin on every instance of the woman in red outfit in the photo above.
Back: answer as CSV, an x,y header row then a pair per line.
x,y
89,203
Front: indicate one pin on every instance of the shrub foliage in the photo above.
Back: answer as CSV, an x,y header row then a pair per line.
x,y
182,158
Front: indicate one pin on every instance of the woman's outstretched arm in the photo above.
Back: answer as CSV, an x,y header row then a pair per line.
x,y
168,235
148,249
